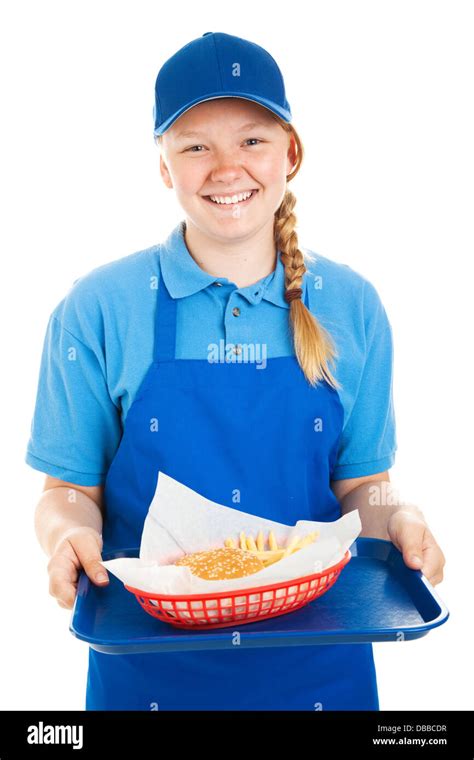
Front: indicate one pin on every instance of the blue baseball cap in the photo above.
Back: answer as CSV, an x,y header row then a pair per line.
x,y
217,65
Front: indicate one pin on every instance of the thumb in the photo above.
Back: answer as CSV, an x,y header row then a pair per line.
x,y
87,547
408,536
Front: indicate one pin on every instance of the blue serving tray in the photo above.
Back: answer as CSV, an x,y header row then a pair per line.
x,y
376,598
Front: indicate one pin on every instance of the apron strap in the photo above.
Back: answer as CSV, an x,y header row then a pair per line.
x,y
165,324
306,291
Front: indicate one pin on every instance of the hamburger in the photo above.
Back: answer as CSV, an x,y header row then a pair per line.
x,y
222,564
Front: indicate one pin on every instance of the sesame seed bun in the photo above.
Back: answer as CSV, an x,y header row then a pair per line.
x,y
222,564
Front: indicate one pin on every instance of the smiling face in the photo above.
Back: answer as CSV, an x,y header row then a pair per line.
x,y
225,149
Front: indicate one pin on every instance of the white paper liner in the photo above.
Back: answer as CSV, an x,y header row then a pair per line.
x,y
180,520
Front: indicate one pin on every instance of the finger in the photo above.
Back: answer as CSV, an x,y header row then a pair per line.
x,y
434,580
62,577
87,549
433,561
65,606
63,592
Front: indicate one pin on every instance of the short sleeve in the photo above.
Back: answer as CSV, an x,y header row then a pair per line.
x,y
76,426
368,441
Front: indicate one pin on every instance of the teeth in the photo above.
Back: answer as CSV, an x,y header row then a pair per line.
x,y
227,199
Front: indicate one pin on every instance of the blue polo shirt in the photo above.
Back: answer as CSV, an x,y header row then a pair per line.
x,y
98,347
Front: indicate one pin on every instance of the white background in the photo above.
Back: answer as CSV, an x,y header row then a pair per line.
x,y
381,94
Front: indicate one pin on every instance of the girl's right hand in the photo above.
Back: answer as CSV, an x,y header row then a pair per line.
x,y
79,548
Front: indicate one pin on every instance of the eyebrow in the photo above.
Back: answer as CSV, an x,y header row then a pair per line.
x,y
243,128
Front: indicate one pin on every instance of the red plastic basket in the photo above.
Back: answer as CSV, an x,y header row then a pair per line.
x,y
224,608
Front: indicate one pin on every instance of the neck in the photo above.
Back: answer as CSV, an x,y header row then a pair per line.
x,y
243,261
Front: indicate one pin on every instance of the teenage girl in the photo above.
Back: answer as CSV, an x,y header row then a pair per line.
x,y
267,368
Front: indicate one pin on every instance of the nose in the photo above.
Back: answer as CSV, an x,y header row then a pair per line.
x,y
226,168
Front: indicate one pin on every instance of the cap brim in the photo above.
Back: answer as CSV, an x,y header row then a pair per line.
x,y
283,113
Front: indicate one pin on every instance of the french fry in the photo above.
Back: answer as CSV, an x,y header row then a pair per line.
x,y
251,545
272,541
274,553
291,546
309,539
269,557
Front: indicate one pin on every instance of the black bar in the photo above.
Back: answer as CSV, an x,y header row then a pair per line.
x,y
411,734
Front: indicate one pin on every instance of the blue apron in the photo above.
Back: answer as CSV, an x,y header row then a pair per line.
x,y
224,428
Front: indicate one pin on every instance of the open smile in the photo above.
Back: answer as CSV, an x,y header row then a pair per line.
x,y
232,203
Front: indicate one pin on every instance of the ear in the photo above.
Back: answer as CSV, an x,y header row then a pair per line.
x,y
165,173
292,150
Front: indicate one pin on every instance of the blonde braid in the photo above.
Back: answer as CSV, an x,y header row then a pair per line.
x,y
313,345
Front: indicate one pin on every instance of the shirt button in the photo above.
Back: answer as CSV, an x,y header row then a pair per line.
x,y
236,312
237,349
217,283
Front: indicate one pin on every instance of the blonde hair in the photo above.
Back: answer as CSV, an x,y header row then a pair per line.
x,y
313,345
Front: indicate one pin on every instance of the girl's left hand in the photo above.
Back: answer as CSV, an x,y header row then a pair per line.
x,y
411,535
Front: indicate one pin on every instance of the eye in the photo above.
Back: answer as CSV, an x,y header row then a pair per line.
x,y
192,148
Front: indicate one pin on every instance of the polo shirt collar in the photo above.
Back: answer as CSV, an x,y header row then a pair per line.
x,y
184,277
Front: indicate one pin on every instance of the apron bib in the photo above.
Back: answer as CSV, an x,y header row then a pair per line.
x,y
262,441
